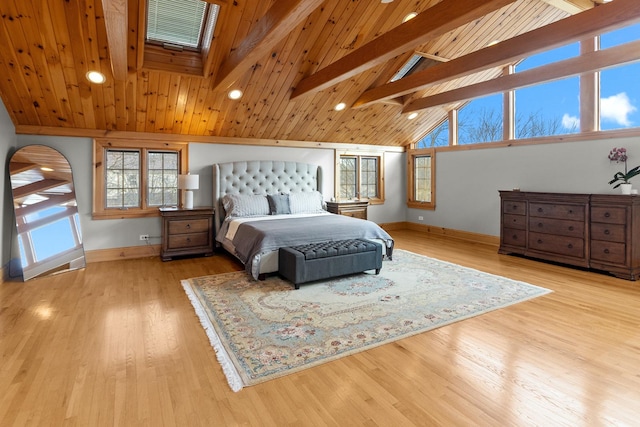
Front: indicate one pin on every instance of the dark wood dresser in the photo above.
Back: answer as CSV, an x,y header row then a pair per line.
x,y
356,209
599,231
186,232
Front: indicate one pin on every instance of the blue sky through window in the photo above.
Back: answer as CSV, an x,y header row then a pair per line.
x,y
558,103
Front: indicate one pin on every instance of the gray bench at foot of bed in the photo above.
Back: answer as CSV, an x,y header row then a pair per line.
x,y
317,261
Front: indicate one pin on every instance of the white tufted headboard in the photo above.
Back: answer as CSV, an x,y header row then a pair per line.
x,y
261,177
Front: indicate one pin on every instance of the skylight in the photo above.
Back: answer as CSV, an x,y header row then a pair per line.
x,y
407,67
180,24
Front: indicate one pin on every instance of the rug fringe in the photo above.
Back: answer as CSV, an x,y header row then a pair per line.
x,y
233,377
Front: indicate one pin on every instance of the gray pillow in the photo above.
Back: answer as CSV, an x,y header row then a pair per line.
x,y
278,204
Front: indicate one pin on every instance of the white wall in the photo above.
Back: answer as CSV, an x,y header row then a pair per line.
x,y
467,182
8,143
117,233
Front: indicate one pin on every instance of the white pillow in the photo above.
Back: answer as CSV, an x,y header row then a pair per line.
x,y
241,205
305,202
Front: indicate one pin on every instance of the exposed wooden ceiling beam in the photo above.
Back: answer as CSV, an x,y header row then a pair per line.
x,y
37,187
116,20
574,28
586,63
435,21
571,6
276,24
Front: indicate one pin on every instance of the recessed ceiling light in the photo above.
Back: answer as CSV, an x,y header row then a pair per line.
x,y
410,16
96,77
235,94
412,116
340,106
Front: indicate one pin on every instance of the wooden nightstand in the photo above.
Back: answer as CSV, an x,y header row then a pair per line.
x,y
354,208
186,232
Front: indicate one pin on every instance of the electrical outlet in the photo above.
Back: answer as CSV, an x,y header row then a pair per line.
x,y
420,218
144,237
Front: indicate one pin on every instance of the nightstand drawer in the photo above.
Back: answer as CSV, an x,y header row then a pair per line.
x,y
188,226
191,240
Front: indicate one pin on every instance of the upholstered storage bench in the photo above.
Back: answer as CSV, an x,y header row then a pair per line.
x,y
317,261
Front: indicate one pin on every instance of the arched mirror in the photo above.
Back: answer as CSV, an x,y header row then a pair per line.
x,y
47,221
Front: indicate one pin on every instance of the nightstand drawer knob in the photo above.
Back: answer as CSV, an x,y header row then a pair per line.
x,y
606,251
607,232
607,214
188,225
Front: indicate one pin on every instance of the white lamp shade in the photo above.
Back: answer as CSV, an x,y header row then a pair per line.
x,y
188,182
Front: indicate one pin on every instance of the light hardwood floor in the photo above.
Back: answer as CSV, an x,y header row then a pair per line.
x,y
119,344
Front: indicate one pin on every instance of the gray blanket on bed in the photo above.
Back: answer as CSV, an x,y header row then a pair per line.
x,y
258,237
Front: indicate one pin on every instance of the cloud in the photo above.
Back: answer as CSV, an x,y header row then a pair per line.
x,y
617,108
570,122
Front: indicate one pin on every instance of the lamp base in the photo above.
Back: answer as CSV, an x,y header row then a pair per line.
x,y
188,199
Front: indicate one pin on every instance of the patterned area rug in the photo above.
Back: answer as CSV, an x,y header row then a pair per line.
x,y
263,330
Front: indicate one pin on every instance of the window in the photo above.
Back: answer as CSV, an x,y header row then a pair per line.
x,y
360,176
439,137
481,120
179,24
134,179
179,35
421,178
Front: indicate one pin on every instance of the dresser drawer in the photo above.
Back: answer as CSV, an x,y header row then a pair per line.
x,y
608,232
181,226
515,221
608,251
562,245
560,211
514,207
557,226
190,240
609,215
514,237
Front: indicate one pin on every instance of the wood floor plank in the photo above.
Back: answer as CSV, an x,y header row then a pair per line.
x,y
118,343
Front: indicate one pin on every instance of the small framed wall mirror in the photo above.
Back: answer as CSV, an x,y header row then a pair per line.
x,y
46,212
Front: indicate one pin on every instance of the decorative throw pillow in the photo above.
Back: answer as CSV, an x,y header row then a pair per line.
x,y
305,202
278,204
241,205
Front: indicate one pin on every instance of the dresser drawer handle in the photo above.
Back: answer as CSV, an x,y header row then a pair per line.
x,y
607,214
571,228
607,232
606,251
514,207
570,211
539,240
514,237
188,239
188,225
570,246
540,225
539,209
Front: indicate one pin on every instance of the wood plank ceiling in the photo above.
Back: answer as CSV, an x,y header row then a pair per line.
x,y
48,47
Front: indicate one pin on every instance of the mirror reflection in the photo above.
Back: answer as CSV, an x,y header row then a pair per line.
x,y
46,212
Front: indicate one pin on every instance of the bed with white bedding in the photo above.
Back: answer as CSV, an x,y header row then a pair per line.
x,y
262,206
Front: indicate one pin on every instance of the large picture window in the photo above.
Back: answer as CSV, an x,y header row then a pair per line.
x,y
135,179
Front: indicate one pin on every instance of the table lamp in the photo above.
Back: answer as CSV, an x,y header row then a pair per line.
x,y
187,183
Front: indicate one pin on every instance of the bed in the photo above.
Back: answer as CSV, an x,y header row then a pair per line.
x,y
261,206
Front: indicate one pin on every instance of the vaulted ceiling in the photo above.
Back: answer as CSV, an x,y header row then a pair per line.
x,y
293,59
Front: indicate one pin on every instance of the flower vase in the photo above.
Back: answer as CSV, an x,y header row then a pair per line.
x,y
625,188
